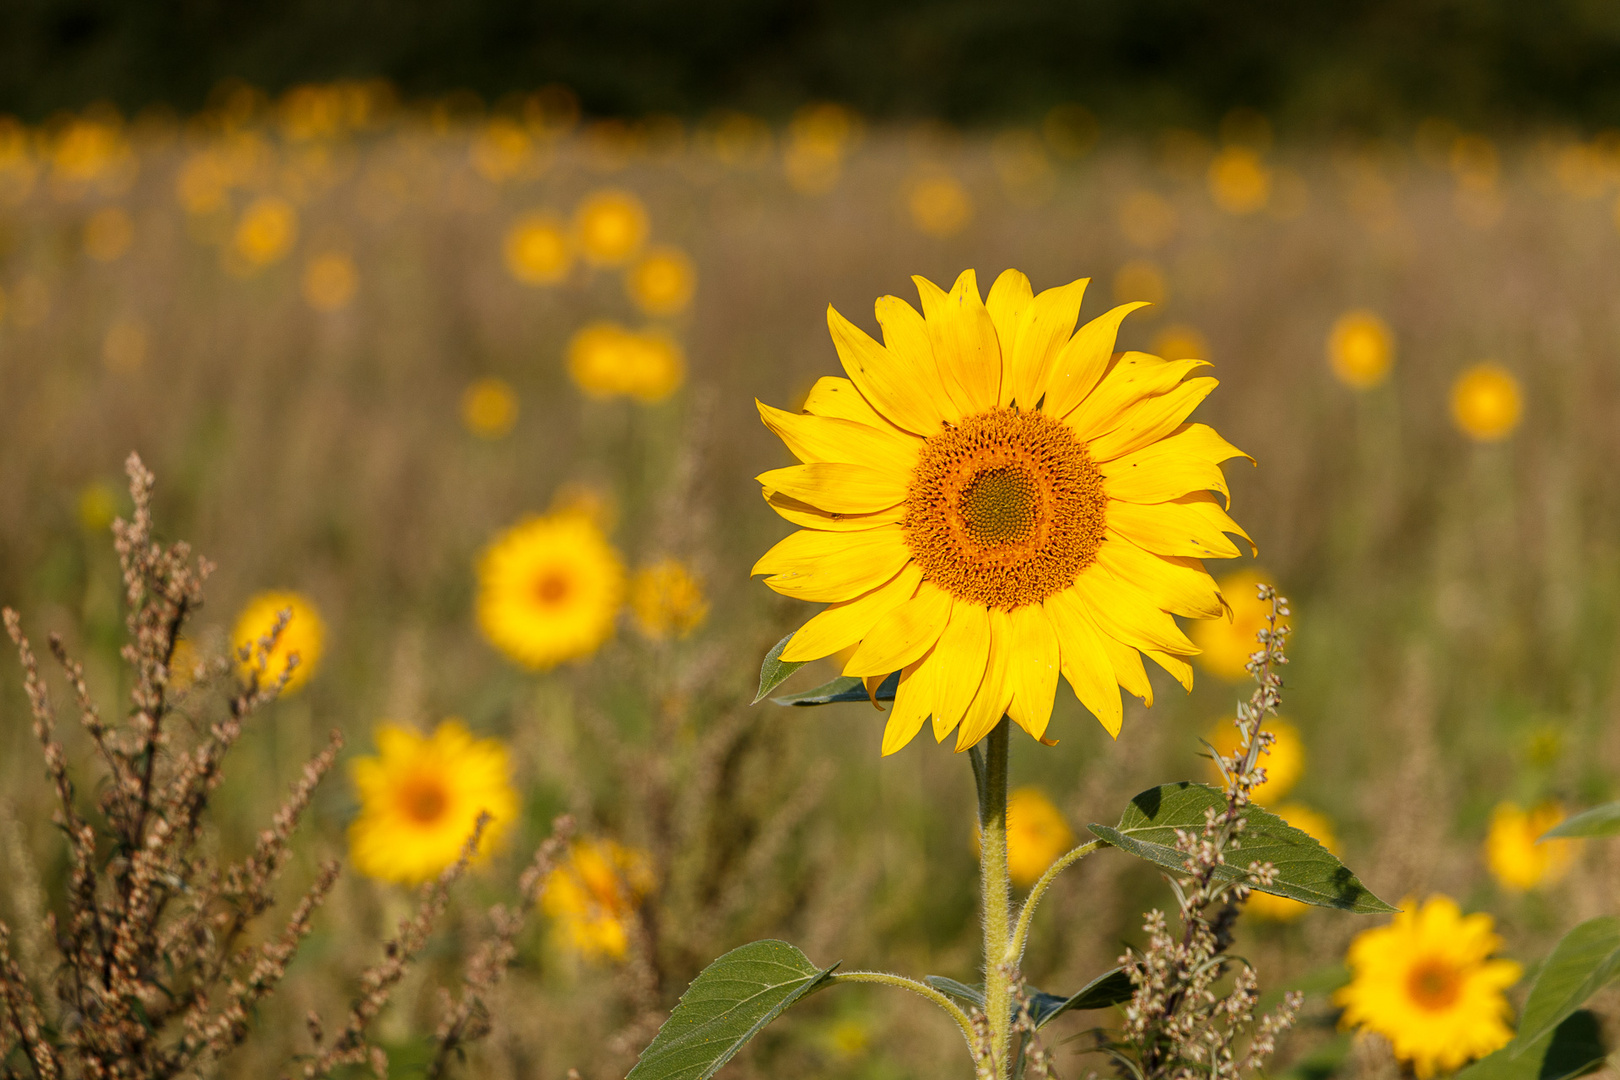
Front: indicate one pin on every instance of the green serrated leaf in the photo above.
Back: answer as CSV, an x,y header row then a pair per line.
x,y
1109,988
726,1005
1599,821
774,671
1574,1048
973,995
1583,962
1306,870
843,688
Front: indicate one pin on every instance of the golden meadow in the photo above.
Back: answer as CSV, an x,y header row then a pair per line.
x,y
356,342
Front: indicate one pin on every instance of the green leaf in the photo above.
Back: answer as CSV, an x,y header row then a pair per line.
x,y
1599,821
1572,1049
1109,988
843,688
1306,870
1581,964
726,1005
774,671
973,995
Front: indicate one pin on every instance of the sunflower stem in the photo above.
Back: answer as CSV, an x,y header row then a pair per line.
x,y
997,900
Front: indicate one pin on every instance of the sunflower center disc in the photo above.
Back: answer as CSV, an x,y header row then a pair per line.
x,y
424,801
1004,509
551,588
1433,985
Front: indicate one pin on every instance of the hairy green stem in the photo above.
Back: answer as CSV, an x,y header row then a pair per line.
x,y
997,899
1020,937
922,989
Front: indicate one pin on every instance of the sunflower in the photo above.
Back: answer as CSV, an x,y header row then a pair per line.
x,y
1361,349
1037,834
549,590
1515,859
593,895
1319,828
1284,763
1486,402
663,281
991,498
421,797
1426,983
1227,644
303,635
667,600
611,226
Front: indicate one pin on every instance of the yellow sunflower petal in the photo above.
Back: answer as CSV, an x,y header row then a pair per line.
x,y
825,566
1151,419
1193,525
838,399
838,487
902,635
1178,668
964,338
1082,361
880,378
905,335
1048,325
1084,659
1128,668
821,438
1033,668
1124,613
995,692
910,709
1188,461
1131,378
845,623
1179,586
959,661
1008,303
802,513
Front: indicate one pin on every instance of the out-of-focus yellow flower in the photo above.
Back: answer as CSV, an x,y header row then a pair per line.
x,y
538,251
1360,349
98,505
662,282
549,589
667,600
940,206
1140,279
421,797
1427,984
1511,851
108,233
266,231
849,1038
501,150
1239,180
818,140
18,167
1227,645
1070,130
606,360
593,896
1319,828
1025,171
90,150
611,226
1486,403
123,349
330,281
1037,835
183,665
202,183
304,635
1284,764
1147,219
489,408
1181,342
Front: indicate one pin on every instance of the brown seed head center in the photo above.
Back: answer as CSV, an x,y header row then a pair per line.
x,y
1004,509
423,799
551,588
1434,985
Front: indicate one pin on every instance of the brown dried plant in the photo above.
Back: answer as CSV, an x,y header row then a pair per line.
x,y
160,960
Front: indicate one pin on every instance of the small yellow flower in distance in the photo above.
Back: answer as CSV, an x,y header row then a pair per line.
x,y
1228,644
1147,219
202,183
818,140
667,600
1515,859
1180,342
330,281
549,590
593,896
662,282
1319,828
98,505
108,233
266,231
1037,835
1426,983
489,408
420,799
1239,181
611,226
538,251
940,206
500,151
605,360
849,1038
1486,403
1140,281
123,349
183,665
657,369
1361,349
1284,764
304,635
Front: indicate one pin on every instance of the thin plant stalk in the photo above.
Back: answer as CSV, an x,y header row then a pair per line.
x,y
997,900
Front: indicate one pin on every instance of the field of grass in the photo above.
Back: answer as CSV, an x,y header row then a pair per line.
x,y
282,310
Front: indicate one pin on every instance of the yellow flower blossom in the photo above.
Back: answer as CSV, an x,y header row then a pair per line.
x,y
1514,857
330,281
593,896
489,408
940,206
667,601
1361,349
1486,402
1239,180
304,635
1227,644
538,250
549,590
1284,764
662,282
266,231
611,226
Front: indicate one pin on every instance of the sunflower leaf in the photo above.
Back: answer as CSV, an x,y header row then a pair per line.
x,y
1109,988
843,688
1575,1047
973,995
774,671
1599,821
1306,871
1582,963
729,1003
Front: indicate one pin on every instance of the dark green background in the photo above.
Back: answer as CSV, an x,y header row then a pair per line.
x,y
1312,65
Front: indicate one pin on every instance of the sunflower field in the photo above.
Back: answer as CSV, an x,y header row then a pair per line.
x,y
486,420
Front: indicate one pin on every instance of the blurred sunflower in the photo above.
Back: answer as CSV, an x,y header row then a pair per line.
x,y
1486,402
594,894
1426,983
611,226
1361,349
662,282
1514,857
988,500
420,799
330,280
1319,828
98,505
489,407
667,600
940,206
538,251
549,590
605,360
184,664
266,231
1227,644
1037,835
1284,764
1239,181
304,635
